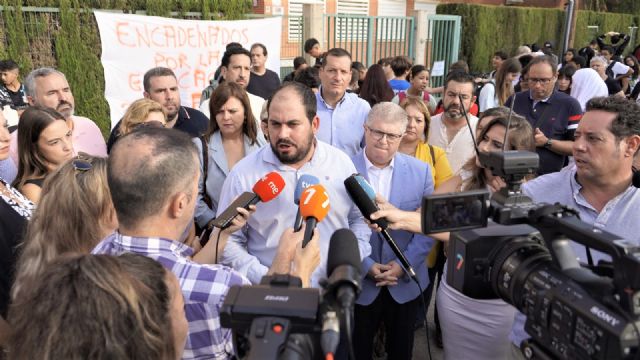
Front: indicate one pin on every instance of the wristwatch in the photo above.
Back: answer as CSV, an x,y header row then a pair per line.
x,y
547,145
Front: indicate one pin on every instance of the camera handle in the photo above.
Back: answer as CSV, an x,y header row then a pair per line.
x,y
267,337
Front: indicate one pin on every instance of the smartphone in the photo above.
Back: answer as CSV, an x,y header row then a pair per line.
x,y
224,220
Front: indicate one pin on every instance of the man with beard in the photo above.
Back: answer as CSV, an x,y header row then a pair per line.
x,y
294,151
449,129
553,114
161,85
49,88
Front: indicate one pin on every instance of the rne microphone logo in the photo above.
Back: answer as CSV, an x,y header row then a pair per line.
x,y
273,187
460,261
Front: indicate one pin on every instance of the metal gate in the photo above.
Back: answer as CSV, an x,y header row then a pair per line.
x,y
370,38
444,40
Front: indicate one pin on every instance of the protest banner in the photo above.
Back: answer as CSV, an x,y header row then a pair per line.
x,y
193,49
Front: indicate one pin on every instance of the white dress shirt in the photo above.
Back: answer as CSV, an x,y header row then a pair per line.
x,y
251,250
380,179
461,147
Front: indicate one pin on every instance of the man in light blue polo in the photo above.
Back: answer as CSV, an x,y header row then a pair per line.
x,y
341,114
599,186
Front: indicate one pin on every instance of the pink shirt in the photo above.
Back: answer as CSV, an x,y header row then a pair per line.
x,y
86,138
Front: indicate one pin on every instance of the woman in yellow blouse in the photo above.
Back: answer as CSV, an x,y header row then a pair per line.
x,y
414,141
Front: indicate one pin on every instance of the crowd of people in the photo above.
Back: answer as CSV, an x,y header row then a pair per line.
x,y
114,241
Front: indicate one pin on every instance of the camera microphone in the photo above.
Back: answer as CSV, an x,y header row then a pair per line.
x,y
359,190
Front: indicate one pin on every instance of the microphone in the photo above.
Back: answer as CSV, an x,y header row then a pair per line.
x,y
343,268
359,189
314,206
265,189
303,182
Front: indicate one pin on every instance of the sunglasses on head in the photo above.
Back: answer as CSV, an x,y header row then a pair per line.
x,y
81,162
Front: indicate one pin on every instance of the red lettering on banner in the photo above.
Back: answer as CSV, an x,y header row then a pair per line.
x,y
134,82
121,34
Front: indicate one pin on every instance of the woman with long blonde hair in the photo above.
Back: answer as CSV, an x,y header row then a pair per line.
x,y
75,212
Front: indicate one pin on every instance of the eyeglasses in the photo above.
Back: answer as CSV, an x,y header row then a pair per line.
x,y
379,135
81,163
542,81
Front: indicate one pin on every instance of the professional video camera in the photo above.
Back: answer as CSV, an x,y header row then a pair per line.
x,y
525,257
280,320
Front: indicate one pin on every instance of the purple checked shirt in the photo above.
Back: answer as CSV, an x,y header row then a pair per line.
x,y
204,288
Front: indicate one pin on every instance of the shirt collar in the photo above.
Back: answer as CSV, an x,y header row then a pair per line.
x,y
370,165
545,100
145,242
579,199
319,96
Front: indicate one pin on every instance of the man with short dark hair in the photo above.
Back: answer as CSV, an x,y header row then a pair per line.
x,y
263,82
293,151
553,114
10,73
236,67
400,66
160,84
312,48
579,62
449,129
299,64
153,176
599,185
341,114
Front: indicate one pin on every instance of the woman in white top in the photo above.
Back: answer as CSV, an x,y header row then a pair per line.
x,y
497,91
586,84
473,328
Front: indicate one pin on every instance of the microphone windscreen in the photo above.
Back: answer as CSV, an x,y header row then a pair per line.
x,y
269,186
314,202
304,182
343,250
364,184
362,200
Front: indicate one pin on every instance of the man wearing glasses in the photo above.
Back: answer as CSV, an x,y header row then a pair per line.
x,y
388,295
554,115
449,130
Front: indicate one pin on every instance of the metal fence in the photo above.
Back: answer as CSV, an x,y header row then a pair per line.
x,y
370,38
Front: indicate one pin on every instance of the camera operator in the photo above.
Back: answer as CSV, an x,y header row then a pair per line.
x,y
599,186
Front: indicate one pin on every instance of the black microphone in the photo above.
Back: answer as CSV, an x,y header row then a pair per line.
x,y
356,188
343,268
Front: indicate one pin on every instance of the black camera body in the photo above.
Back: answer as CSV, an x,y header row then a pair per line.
x,y
524,256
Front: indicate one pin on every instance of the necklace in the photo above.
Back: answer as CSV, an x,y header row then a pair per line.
x,y
9,194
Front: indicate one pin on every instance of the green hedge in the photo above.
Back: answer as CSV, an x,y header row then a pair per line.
x,y
486,29
70,41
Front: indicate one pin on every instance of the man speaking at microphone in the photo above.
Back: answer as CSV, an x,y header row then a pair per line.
x,y
388,294
293,152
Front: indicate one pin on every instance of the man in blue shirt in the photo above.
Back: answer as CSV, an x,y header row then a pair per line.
x,y
400,66
341,114
599,186
553,115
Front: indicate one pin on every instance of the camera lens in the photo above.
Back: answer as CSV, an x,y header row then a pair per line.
x,y
512,265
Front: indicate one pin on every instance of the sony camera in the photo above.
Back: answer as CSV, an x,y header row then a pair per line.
x,y
508,247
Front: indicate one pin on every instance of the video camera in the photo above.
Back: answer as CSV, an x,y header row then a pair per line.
x,y
280,320
525,257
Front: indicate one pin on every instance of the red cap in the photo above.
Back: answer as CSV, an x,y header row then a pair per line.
x,y
314,202
269,186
